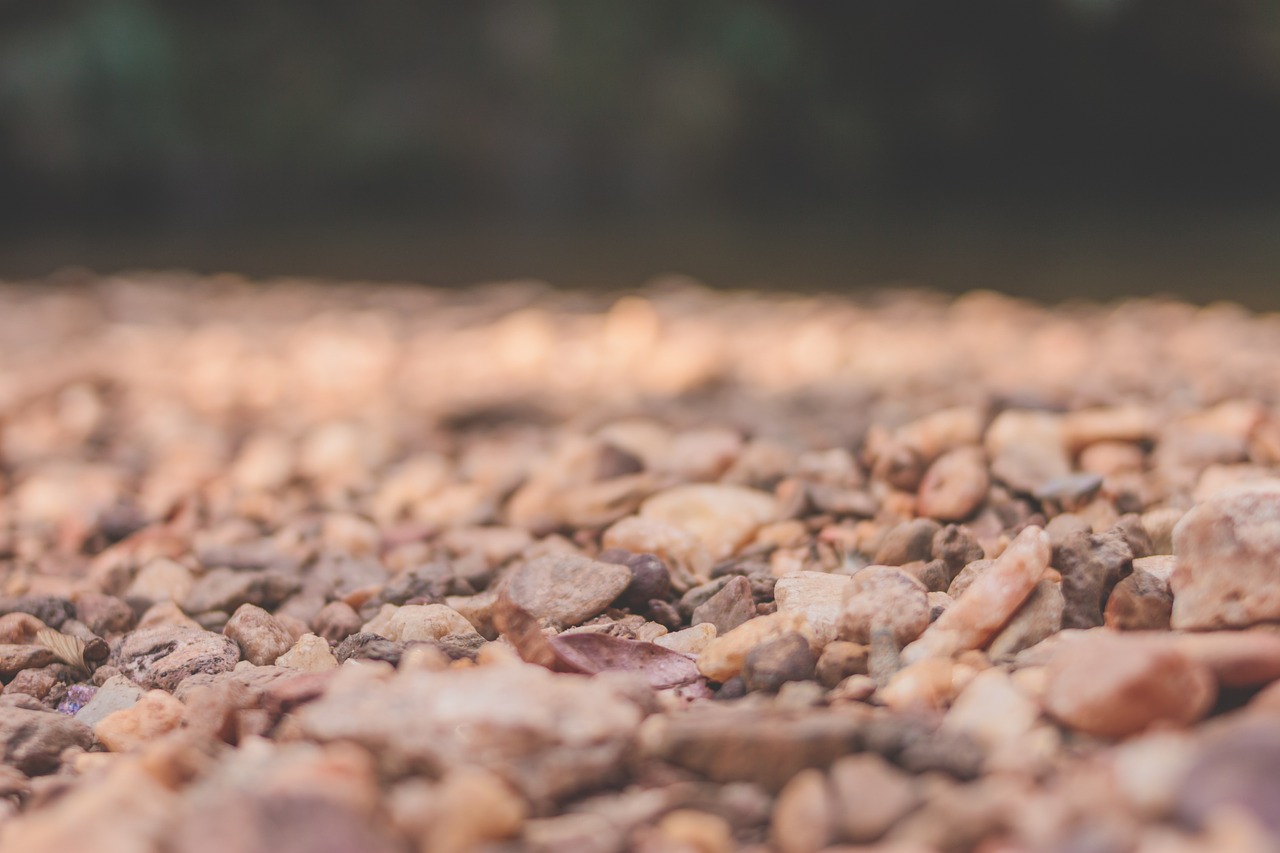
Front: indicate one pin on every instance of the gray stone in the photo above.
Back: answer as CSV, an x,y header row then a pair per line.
x,y
566,589
115,694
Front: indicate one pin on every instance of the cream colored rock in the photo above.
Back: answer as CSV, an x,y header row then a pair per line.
x,y
1118,424
928,685
936,433
161,580
166,613
724,657
419,622
679,549
989,602
690,641
259,635
803,815
309,654
955,485
819,596
722,518
155,714
993,710
884,597
1027,449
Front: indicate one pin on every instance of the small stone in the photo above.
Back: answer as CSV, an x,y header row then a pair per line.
x,y
884,598
1140,602
650,580
678,548
309,654
926,686
957,547
1228,570
722,518
473,806
49,609
729,607
909,542
870,796
839,660
19,629
955,485
1039,617
336,621
992,710
819,596
967,575
1027,449
566,589
163,656
418,622
155,714
1118,685
115,694
105,615
259,635
725,656
166,613
690,641
33,741
14,659
989,602
161,580
1234,770
37,683
771,664
1091,566
226,589
803,817
696,831
1236,658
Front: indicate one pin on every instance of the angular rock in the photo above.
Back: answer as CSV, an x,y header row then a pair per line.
x,y
309,654
1039,617
115,694
1140,602
728,608
33,741
955,485
884,598
909,542
1228,569
725,656
690,641
722,518
14,659
819,596
155,714
336,621
259,635
770,665
566,589
163,656
1027,449
418,622
1091,565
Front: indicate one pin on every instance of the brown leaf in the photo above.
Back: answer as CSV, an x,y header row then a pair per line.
x,y
69,649
521,630
592,653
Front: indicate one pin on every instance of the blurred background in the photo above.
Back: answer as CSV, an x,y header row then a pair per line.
x,y
1053,148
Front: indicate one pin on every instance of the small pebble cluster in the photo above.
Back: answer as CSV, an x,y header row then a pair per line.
x,y
300,568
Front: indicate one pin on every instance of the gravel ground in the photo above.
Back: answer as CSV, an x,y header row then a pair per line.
x,y
293,567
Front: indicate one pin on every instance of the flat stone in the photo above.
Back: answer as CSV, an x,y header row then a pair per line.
x,y
163,656
729,607
33,741
722,518
819,596
566,589
1228,569
115,694
226,589
725,656
690,641
155,714
1117,685
14,659
310,653
547,734
955,485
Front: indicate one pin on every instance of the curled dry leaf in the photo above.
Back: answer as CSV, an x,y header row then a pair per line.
x,y
591,653
70,650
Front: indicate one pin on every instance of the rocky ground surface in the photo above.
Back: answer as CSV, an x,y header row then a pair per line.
x,y
387,569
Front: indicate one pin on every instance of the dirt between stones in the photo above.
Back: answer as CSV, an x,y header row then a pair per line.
x,y
303,567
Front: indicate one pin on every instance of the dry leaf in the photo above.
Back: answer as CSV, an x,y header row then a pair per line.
x,y
69,649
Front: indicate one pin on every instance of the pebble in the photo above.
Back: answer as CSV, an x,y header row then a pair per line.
x,y
471,807
1118,685
566,589
418,622
226,589
310,653
104,615
14,659
955,485
966,576
926,686
115,694
19,629
259,635
909,542
724,657
1027,449
1236,658
870,796
884,598
804,814
696,831
974,619
728,608
722,518
676,547
690,641
32,741
155,714
773,663
1091,565
992,710
166,613
819,596
1140,602
1228,561
161,579
336,621
1039,618
161,657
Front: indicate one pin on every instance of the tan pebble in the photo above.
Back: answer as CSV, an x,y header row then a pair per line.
x,y
802,816
724,657
1111,458
855,688
992,709
955,485
259,635
722,518
927,685
678,548
420,622
871,795
309,654
702,832
934,434
161,580
989,602
473,806
166,613
819,596
689,641
883,597
1086,427
155,714
1159,524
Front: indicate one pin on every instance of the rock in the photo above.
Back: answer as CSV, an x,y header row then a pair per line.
x,y
104,615
722,518
33,741
14,659
226,589
1228,569
49,609
957,547
1236,658
1039,617
689,829
955,485
884,598
729,607
909,542
548,734
472,806
676,547
566,589
19,629
163,656
259,635
870,796
967,575
115,694
309,654
819,596
771,664
989,602
1091,565
37,683
690,641
839,660
161,580
992,710
1118,685
650,580
1140,602
336,621
725,656
1027,449
926,686
166,613
1235,769
803,817
155,714
1149,769
418,622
